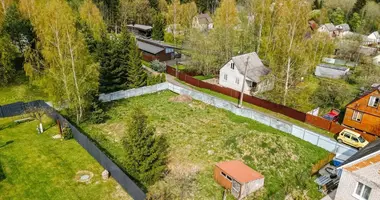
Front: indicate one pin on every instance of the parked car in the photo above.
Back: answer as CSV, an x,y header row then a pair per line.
x,y
333,115
352,138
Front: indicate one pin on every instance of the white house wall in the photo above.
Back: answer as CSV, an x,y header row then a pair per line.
x,y
232,75
347,186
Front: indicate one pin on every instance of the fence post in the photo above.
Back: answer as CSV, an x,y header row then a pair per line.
x,y
304,132
318,140
1,112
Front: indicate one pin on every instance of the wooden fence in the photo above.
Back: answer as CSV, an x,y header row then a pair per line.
x,y
316,121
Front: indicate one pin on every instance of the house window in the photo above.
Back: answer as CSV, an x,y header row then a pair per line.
x,y
357,116
225,77
232,65
373,101
362,191
237,81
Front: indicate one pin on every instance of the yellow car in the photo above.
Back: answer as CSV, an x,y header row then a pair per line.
x,y
352,138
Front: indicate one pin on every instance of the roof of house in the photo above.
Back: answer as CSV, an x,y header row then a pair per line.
x,y
239,171
149,47
368,169
154,42
331,66
371,148
140,27
256,68
376,34
330,27
204,18
343,27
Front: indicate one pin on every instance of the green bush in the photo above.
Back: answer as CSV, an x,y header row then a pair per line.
x,y
156,79
332,95
67,133
97,115
158,66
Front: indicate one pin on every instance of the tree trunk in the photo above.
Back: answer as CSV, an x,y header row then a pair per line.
x,y
73,67
3,6
293,28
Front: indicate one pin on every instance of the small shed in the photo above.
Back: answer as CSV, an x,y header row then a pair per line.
x,y
331,71
238,177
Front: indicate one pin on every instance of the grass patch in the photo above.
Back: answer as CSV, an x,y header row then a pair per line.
x,y
39,167
199,136
146,63
263,110
203,77
20,90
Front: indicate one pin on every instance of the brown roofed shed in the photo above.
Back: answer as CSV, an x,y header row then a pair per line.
x,y
238,177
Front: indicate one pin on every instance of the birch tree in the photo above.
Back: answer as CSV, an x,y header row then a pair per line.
x,y
69,75
91,16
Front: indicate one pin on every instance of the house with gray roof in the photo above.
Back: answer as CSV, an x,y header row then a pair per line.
x,y
331,71
140,30
231,75
374,37
155,50
343,27
329,28
203,22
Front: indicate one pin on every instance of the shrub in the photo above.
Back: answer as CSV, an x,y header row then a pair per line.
x,y
146,153
158,66
153,80
97,115
66,132
332,95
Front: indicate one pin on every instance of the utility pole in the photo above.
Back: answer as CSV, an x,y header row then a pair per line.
x,y
242,88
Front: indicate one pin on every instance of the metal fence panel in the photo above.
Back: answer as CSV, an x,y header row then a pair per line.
x,y
298,131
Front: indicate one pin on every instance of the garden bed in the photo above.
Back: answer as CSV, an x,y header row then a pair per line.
x,y
199,136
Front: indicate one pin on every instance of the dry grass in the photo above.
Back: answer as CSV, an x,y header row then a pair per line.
x,y
199,136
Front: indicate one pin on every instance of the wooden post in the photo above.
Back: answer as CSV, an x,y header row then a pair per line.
x,y
242,89
59,127
225,194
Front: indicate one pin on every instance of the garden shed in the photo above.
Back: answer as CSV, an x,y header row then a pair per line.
x,y
238,177
331,71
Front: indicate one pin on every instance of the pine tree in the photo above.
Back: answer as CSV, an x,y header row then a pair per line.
x,y
136,75
146,153
158,27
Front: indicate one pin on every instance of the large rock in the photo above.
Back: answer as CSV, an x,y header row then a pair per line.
x,y
105,174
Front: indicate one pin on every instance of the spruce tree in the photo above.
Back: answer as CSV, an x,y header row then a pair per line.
x,y
146,153
136,74
113,58
158,27
359,5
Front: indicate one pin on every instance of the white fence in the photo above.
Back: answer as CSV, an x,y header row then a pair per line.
x,y
342,151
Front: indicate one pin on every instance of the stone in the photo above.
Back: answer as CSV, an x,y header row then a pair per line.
x,y
105,174
57,136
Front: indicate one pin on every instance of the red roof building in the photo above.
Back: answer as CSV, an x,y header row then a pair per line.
x,y
238,177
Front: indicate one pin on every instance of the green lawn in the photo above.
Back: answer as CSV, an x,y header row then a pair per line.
x,y
200,135
203,77
20,90
268,112
39,167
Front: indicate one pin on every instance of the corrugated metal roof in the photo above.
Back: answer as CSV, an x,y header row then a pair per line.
x,y
239,171
140,27
149,48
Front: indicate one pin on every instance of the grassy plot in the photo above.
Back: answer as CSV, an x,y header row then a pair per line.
x,y
20,90
40,167
200,135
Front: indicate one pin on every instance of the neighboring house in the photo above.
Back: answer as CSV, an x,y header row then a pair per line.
x,y
330,29
313,25
376,60
231,75
203,22
155,50
363,113
343,28
331,71
140,30
360,175
374,37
